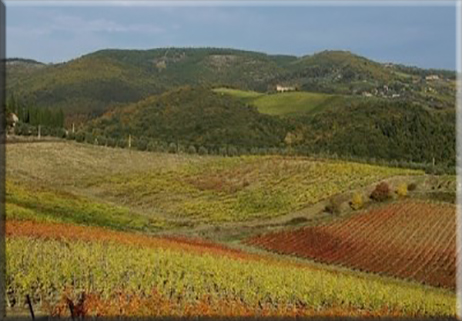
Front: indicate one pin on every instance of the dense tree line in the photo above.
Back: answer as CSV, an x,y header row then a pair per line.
x,y
30,114
398,131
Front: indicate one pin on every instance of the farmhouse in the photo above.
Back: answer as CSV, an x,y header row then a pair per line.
x,y
432,77
281,89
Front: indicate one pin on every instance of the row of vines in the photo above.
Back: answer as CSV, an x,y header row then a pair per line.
x,y
128,280
414,240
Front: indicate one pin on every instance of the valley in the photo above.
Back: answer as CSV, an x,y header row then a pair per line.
x,y
210,182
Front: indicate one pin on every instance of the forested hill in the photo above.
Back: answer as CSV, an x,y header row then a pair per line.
x,y
192,116
201,119
88,86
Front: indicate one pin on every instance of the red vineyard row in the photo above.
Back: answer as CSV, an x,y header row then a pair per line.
x,y
410,240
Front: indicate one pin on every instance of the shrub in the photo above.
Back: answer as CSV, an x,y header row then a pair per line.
x,y
334,206
62,133
111,142
101,140
44,131
191,149
70,136
243,151
181,149
152,146
163,147
357,201
381,192
297,220
222,151
412,187
89,138
402,190
172,148
122,143
80,137
232,151
202,150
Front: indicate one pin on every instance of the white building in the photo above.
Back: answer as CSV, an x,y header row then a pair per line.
x,y
281,89
432,77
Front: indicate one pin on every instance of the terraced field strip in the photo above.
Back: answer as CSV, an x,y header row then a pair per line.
x,y
135,275
58,231
412,240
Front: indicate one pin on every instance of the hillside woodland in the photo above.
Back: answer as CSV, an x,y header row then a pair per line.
x,y
166,99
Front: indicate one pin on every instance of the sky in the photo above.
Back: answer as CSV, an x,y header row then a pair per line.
x,y
418,35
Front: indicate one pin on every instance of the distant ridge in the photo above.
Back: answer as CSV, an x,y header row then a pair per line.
x,y
88,86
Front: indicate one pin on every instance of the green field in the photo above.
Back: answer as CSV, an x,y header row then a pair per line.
x,y
290,103
242,94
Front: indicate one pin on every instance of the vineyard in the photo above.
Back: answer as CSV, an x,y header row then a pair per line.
x,y
106,229
168,189
110,273
411,240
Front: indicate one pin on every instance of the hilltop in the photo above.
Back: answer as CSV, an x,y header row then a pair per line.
x,y
191,117
226,101
88,86
206,121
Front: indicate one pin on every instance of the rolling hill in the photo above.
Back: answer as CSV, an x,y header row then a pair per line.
x,y
198,118
192,116
217,99
88,86
114,224
225,197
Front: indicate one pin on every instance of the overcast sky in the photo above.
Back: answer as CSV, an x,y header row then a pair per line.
x,y
420,35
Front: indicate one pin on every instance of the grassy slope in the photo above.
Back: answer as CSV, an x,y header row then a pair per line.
x,y
170,189
49,181
246,95
291,103
48,204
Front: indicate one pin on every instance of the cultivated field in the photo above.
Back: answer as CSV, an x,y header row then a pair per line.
x,y
80,220
412,240
290,103
98,185
131,275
